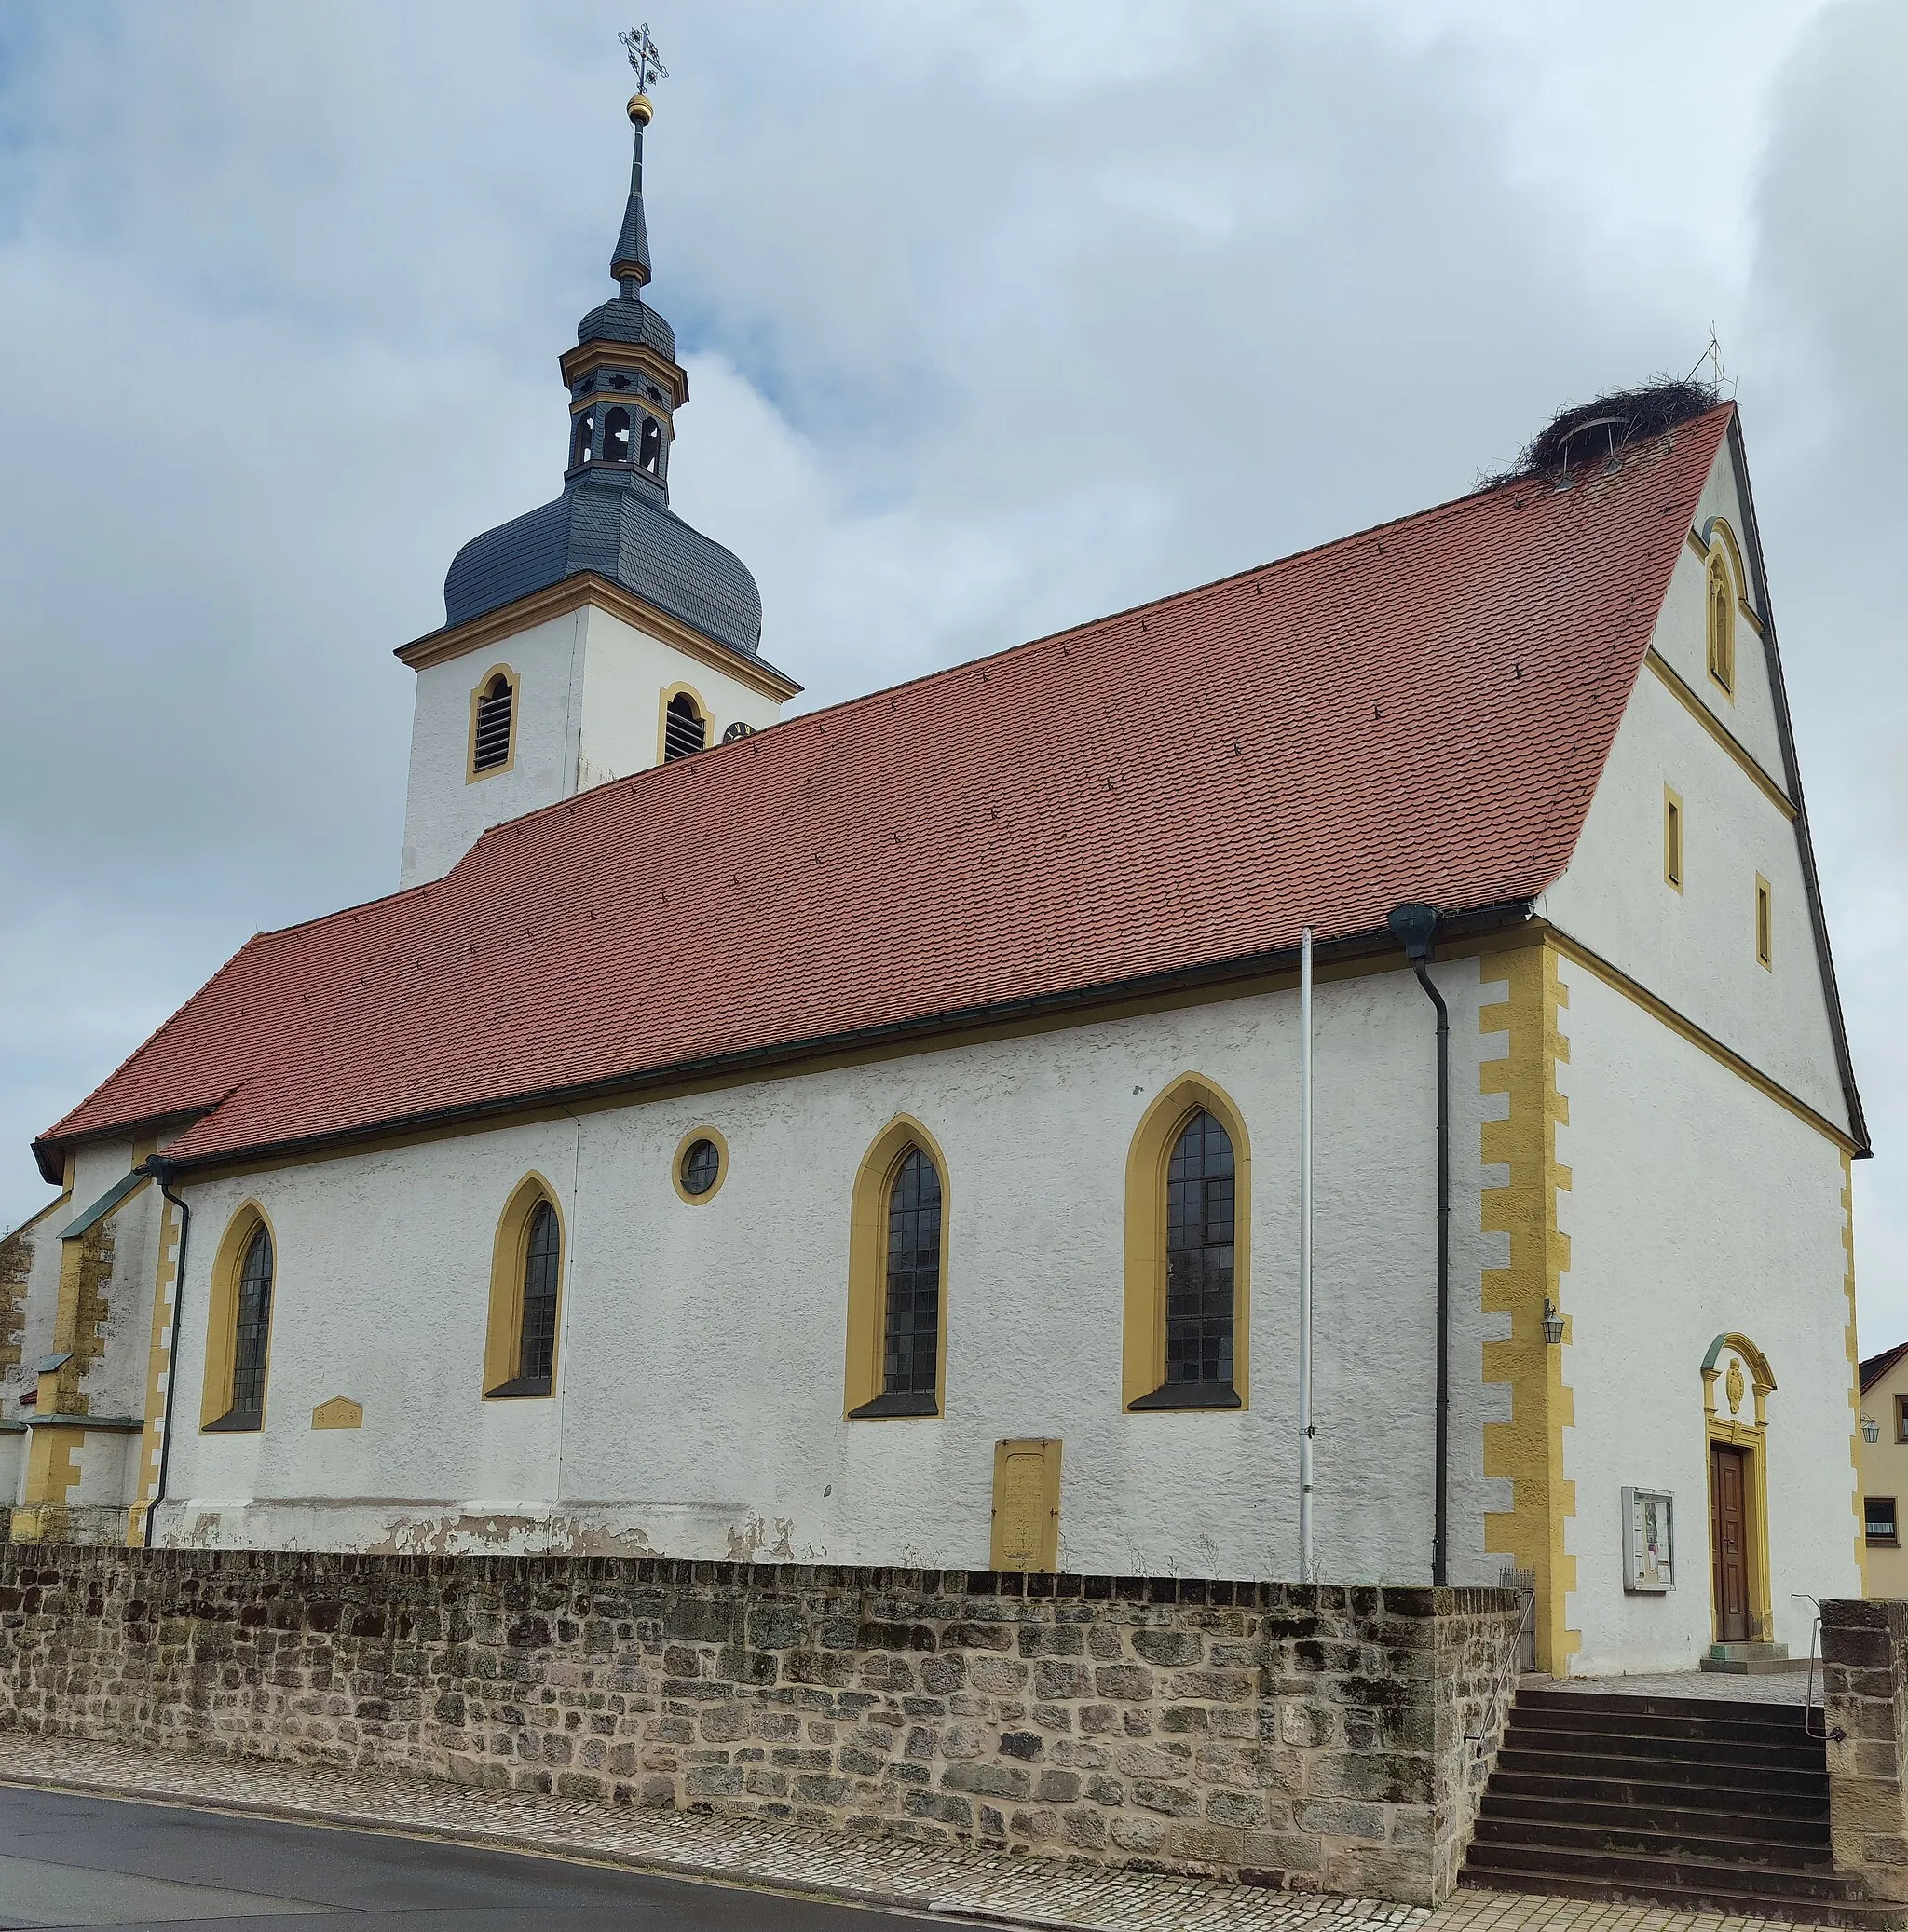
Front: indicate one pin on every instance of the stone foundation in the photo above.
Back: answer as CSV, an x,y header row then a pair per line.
x,y
1865,1698
1315,1738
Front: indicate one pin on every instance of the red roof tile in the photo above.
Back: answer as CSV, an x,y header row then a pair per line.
x,y
1421,711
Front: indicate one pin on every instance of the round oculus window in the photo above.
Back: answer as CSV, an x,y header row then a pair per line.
x,y
700,1164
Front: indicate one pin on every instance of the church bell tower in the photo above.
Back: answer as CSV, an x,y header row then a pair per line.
x,y
598,634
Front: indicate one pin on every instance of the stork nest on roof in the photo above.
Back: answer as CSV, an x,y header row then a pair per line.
x,y
1593,433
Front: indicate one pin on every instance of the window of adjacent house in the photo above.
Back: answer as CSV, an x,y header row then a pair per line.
x,y
490,735
1672,838
685,731
1199,1254
616,436
1722,623
649,448
1765,923
1878,1518
253,1334
580,442
1902,1417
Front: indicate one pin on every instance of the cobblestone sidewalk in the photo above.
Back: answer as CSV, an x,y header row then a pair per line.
x,y
957,1884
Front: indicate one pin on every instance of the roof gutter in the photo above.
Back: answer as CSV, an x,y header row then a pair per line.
x,y
1453,927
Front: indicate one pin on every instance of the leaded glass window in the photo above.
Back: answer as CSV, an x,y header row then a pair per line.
x,y
254,1318
911,1355
542,1252
1199,1254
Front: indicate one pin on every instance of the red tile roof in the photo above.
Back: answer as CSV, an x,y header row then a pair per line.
x,y
1875,1366
1421,711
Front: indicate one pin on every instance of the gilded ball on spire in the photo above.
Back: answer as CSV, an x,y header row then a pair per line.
x,y
641,110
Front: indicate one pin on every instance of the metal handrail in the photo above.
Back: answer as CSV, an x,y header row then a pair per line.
x,y
1513,1652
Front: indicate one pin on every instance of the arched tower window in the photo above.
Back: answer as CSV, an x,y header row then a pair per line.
x,y
685,729
580,442
1722,621
492,719
649,447
616,436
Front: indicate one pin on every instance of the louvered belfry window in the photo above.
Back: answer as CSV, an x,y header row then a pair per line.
x,y
911,1357
1199,1254
685,731
491,746
542,1252
254,1331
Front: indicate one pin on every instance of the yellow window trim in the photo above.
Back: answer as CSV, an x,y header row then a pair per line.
x,y
867,1264
471,775
714,1136
1027,1506
1719,624
1143,1355
1672,838
703,712
1765,923
503,1334
222,1314
1714,726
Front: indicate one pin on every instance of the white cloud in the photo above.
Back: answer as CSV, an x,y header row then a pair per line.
x,y
997,315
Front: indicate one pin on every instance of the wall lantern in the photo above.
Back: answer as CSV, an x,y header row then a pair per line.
x,y
1870,1429
1553,1325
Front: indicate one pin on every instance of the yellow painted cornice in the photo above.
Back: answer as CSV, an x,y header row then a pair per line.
x,y
1710,723
572,594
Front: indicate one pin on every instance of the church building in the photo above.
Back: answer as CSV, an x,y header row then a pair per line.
x,y
871,1135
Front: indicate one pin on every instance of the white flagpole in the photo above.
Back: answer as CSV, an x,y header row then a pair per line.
x,y
1307,1568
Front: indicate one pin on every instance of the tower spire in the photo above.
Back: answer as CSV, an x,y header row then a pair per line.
x,y
630,265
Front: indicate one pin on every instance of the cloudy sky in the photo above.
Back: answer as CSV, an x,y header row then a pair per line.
x,y
998,316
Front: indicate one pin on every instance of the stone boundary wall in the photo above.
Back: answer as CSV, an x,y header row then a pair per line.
x,y
1866,1699
1315,1738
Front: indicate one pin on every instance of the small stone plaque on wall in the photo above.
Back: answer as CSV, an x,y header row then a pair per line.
x,y
1649,1555
340,1412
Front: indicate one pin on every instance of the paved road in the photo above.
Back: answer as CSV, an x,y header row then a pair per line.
x,y
69,1860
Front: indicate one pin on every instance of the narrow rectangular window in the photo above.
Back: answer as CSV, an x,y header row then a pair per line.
x,y
1878,1517
1672,838
1902,1417
1764,924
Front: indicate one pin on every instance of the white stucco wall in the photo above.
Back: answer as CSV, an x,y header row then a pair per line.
x,y
588,700
700,1379
1695,949
1699,1208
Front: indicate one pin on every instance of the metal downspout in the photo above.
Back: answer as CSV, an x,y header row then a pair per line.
x,y
163,1171
1417,927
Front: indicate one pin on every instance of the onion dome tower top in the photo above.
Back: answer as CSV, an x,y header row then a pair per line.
x,y
613,518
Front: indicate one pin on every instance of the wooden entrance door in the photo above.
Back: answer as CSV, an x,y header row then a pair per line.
x,y
1729,1532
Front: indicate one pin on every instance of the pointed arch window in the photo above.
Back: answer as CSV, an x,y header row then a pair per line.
x,y
685,729
897,1267
526,1295
493,725
580,442
649,445
1722,622
238,1327
1186,1251
616,436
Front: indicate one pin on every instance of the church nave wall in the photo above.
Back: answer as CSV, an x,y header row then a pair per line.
x,y
699,1389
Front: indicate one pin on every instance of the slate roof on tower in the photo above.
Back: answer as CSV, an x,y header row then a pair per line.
x,y
613,518
1418,711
